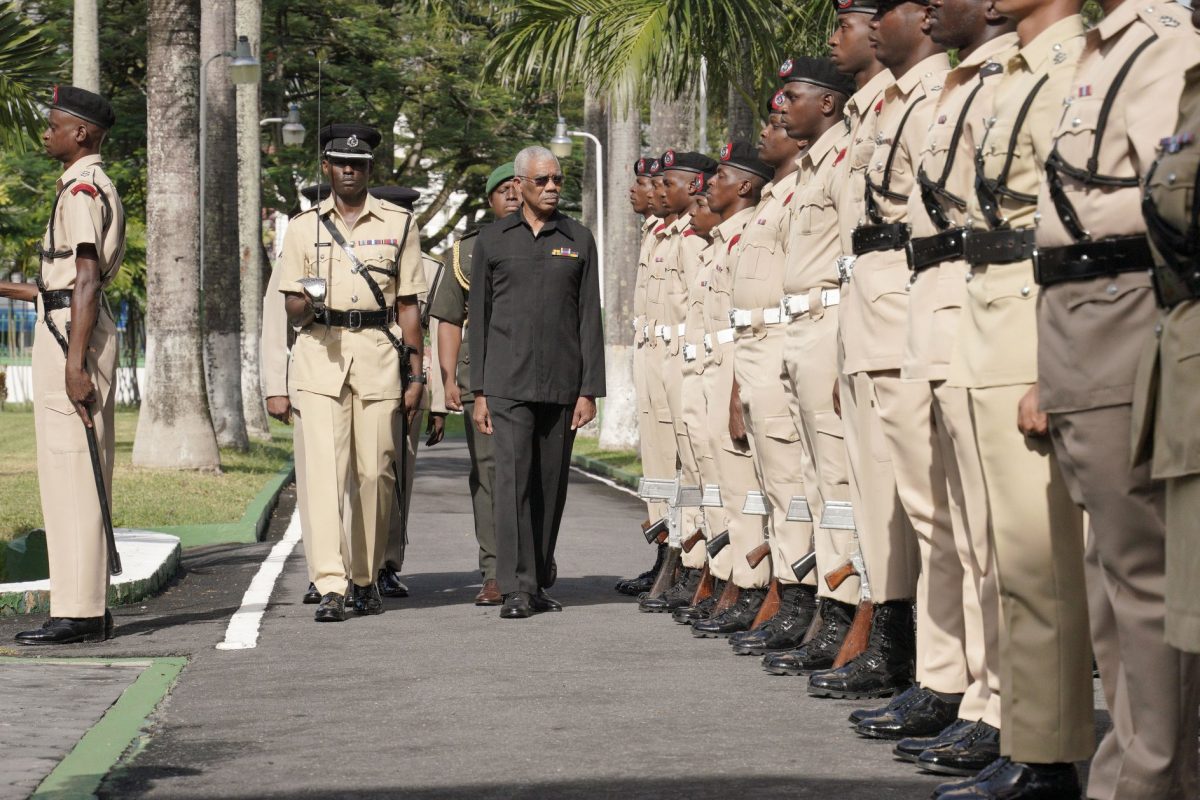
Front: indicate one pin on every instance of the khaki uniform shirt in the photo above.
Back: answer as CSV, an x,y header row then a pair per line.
x,y
862,112
696,326
761,264
813,243
874,313
81,216
937,293
325,358
997,343
681,262
718,290
658,296
1090,333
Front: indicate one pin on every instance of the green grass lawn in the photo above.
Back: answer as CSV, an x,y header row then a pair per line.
x,y
142,498
628,460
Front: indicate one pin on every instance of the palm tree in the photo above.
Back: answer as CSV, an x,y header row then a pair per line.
x,y
85,49
26,58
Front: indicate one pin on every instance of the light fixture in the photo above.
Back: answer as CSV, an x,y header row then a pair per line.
x,y
243,69
293,128
561,144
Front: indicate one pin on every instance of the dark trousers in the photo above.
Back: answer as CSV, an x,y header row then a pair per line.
x,y
533,455
481,480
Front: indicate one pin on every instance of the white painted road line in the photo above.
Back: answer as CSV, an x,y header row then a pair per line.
x,y
242,633
607,482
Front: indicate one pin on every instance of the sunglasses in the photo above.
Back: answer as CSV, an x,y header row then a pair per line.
x,y
357,163
541,181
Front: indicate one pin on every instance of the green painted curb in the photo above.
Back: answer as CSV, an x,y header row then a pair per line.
x,y
616,474
249,529
78,776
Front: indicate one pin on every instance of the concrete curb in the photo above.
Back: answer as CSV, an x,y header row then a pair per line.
x,y
249,529
615,474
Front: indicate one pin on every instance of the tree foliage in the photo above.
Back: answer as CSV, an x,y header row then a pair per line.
x,y
26,54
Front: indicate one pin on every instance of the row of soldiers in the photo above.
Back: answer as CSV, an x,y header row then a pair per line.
x,y
886,366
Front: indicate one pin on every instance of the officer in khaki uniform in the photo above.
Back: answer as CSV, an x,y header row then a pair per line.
x,y
346,374
1095,313
814,95
449,307
962,570
81,253
1037,533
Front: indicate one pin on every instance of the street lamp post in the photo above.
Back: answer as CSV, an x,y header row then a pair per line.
x,y
561,146
293,129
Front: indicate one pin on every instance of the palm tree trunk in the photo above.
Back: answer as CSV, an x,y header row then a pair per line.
x,y
595,121
174,429
222,266
742,119
618,424
85,46
672,124
250,249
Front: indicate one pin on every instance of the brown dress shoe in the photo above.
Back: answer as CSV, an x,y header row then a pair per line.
x,y
489,595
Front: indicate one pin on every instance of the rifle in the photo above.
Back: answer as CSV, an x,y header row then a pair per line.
x,y
717,544
655,532
860,630
704,589
693,540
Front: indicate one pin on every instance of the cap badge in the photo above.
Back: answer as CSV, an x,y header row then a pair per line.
x,y
655,166
55,99
778,100
786,68
669,159
641,165
844,4
352,141
726,151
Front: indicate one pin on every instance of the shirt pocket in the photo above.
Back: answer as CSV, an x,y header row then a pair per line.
x,y
1003,284
815,213
1173,188
758,253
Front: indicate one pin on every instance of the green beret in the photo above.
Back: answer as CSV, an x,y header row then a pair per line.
x,y
499,175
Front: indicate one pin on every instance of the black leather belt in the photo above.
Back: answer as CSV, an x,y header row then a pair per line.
x,y
1000,247
54,299
355,319
929,251
1086,260
874,238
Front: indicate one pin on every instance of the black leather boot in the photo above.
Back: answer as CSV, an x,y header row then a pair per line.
x,y
67,630
785,630
677,596
884,668
702,610
925,713
332,608
390,584
366,600
820,651
642,583
737,617
311,595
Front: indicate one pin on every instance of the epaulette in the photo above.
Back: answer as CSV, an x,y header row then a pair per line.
x,y
390,206
86,188
1165,18
456,262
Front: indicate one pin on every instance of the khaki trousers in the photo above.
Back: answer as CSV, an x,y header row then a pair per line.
x,y
1037,536
885,536
736,476
778,455
337,429
655,427
75,545
971,558
1150,687
1183,562
672,372
810,369
695,420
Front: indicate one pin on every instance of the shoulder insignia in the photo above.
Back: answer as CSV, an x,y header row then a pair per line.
x,y
661,228
84,187
737,238
463,279
991,68
690,232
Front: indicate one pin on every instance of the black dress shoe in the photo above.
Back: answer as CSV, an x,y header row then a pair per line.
x,y
312,596
962,783
643,582
1014,780
927,713
898,701
365,600
517,605
978,746
66,630
820,651
884,667
702,610
542,602
677,596
389,583
784,631
332,608
738,617
911,748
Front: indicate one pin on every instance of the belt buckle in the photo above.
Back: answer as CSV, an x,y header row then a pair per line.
x,y
1036,258
354,319
845,268
910,255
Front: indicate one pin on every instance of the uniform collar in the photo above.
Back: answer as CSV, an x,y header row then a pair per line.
x,y
1120,19
861,102
925,68
680,225
733,226
372,207
650,223
553,225
827,143
73,172
986,51
1039,53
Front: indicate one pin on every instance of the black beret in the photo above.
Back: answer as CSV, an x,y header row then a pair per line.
x,y
817,71
855,6
641,167
744,156
349,140
776,104
88,106
400,195
688,161
703,179
655,167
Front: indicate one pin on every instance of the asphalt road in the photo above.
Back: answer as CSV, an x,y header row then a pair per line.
x,y
438,698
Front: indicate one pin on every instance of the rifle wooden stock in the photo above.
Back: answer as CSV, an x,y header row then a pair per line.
x,y
705,588
654,531
692,541
666,574
728,597
770,605
858,635
836,577
662,538
718,543
755,556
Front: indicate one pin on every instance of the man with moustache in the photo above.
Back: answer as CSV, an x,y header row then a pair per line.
x,y
960,570
1095,311
655,440
1037,534
732,195
676,261
758,399
814,95
537,367
449,306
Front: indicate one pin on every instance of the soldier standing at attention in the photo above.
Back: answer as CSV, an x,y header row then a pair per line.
x,y
537,367
356,363
1095,312
450,308
81,253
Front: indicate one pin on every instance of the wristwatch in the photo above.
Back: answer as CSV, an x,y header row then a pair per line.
x,y
417,378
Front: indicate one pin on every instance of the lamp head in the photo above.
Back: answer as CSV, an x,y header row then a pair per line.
x,y
243,69
561,144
